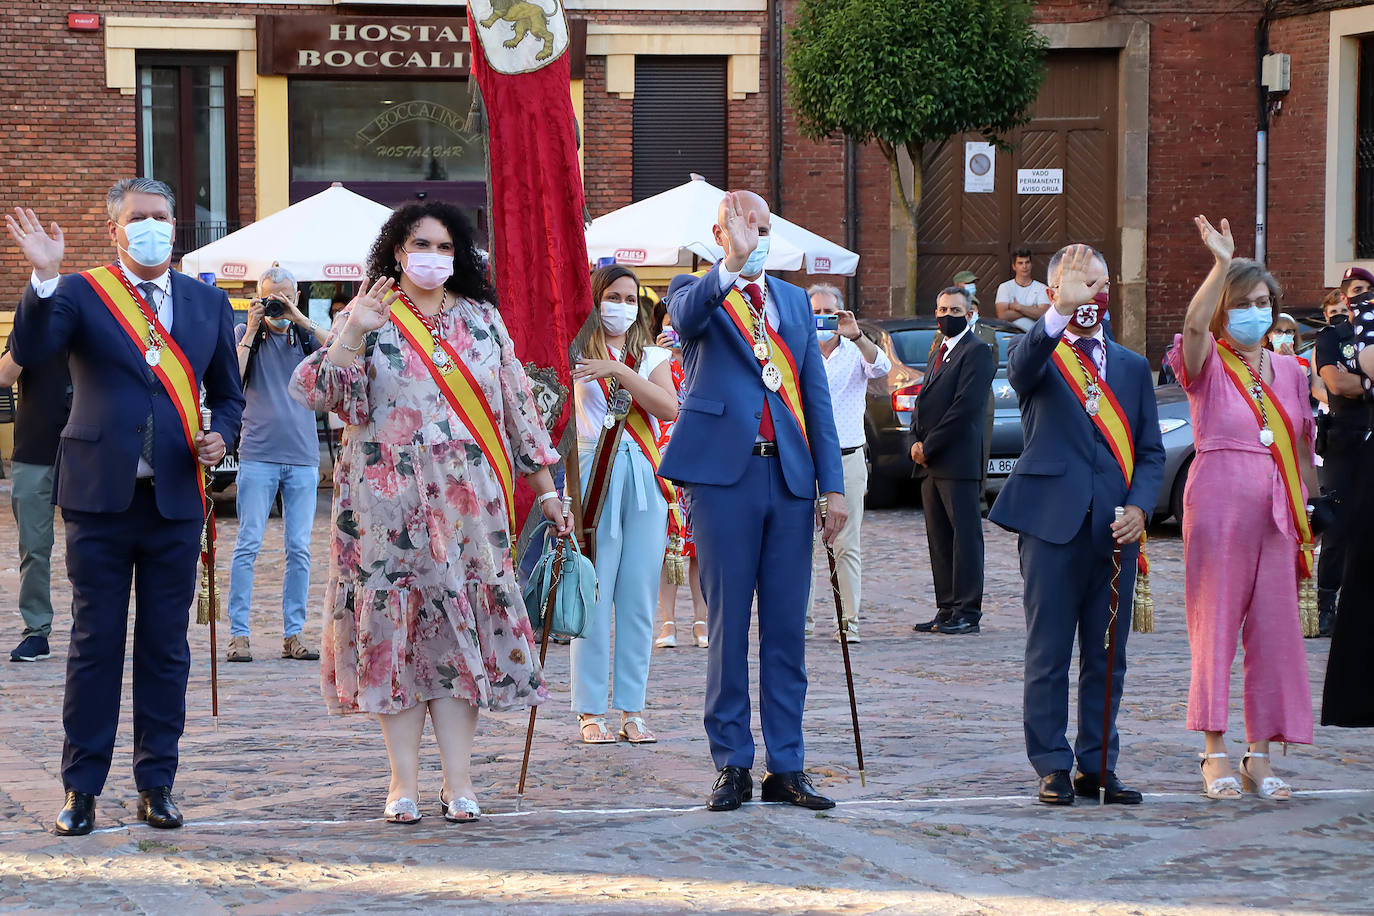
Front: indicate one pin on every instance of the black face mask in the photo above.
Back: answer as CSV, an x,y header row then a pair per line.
x,y
1338,318
951,325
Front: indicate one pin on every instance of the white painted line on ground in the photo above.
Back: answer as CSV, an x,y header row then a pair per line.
x,y
670,809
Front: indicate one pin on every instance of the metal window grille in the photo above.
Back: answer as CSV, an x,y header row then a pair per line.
x,y
1364,154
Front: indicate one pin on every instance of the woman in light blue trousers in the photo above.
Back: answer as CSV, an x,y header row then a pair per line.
x,y
631,532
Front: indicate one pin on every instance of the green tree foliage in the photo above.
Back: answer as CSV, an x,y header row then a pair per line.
x,y
904,74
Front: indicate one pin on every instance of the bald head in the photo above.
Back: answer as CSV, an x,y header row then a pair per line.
x,y
743,224
749,202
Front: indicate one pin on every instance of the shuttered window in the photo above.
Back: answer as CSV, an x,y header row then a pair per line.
x,y
679,122
1364,154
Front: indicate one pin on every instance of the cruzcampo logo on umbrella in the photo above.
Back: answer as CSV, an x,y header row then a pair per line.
x,y
520,36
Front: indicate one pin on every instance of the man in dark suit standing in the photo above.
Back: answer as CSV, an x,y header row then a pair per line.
x,y
1092,445
947,427
142,340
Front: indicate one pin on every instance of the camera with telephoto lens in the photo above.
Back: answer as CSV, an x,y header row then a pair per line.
x,y
273,308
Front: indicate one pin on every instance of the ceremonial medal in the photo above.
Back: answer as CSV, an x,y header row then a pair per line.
x,y
1266,437
608,422
152,356
1092,406
441,360
772,377
761,351
1348,351
619,405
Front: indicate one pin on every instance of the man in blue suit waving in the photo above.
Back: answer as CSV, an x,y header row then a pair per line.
x,y
1092,444
142,340
754,444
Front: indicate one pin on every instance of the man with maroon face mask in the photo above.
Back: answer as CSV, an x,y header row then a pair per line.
x,y
1092,445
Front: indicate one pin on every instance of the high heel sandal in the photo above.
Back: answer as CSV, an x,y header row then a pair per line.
x,y
1223,788
667,635
700,638
1268,788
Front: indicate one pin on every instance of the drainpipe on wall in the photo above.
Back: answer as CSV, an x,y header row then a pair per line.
x,y
1262,137
775,100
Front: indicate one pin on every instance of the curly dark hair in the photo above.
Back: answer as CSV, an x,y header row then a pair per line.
x,y
469,270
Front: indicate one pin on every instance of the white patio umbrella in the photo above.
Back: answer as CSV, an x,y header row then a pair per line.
x,y
325,237
658,230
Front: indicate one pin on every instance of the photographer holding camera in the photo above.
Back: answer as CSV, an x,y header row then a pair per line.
x,y
278,451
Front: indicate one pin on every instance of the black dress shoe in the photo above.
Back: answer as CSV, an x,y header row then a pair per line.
x,y
734,786
794,789
77,817
1056,789
958,627
1086,785
930,626
157,808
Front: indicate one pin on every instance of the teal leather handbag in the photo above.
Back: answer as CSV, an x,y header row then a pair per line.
x,y
575,600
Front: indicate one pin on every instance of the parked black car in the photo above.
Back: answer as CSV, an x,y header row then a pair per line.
x,y
907,343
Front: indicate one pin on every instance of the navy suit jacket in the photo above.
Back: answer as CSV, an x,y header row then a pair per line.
x,y
723,393
1066,467
113,390
952,408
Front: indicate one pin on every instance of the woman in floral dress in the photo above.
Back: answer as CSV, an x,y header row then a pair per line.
x,y
422,611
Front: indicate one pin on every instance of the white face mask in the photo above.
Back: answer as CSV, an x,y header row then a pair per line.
x,y
617,317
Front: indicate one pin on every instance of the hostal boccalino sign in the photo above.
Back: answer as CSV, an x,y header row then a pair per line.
x,y
355,45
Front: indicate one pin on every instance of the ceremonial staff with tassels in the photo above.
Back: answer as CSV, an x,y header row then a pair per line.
x,y
207,602
1114,604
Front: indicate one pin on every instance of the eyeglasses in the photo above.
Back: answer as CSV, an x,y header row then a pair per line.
x,y
1263,302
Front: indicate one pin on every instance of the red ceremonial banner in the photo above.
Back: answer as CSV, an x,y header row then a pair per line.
x,y
538,245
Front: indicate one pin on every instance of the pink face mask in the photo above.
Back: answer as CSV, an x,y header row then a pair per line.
x,y
428,269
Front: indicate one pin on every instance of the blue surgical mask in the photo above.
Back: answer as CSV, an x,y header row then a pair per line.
x,y
1281,340
754,265
824,336
1247,325
150,241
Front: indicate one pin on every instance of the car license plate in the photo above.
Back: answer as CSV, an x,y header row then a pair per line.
x,y
1000,467
230,463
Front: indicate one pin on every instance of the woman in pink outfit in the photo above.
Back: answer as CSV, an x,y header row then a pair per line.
x,y
1240,539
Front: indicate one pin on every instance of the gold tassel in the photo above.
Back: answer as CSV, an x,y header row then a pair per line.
x,y
1307,606
203,602
674,563
1143,605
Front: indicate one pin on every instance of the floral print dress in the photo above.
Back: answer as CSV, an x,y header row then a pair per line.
x,y
422,600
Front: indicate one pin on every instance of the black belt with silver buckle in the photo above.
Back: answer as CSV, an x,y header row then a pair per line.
x,y
766,449
850,451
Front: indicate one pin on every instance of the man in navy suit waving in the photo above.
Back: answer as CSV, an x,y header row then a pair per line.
x,y
1092,444
754,444
142,340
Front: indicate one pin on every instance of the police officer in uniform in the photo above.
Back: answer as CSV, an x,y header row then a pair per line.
x,y
1340,431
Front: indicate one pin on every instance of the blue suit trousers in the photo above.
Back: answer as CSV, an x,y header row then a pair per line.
x,y
754,535
1067,591
107,552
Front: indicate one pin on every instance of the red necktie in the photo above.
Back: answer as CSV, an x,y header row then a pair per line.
x,y
939,360
756,300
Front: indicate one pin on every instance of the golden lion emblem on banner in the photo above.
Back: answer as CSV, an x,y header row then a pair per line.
x,y
526,17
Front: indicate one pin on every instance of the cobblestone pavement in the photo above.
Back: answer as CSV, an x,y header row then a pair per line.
x,y
283,802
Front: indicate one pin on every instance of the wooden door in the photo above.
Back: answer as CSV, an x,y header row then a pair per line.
x,y
1074,128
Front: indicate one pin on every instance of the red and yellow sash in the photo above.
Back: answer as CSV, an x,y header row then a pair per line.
x,y
738,309
1284,448
640,429
133,315
1110,419
463,393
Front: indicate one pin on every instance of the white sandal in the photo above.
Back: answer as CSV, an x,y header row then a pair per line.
x,y
402,811
645,736
461,810
1267,788
1223,788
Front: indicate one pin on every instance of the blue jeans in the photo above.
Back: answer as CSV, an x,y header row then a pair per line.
x,y
258,482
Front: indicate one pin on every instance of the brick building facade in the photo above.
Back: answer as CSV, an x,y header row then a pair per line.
x,y
1185,120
